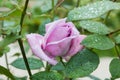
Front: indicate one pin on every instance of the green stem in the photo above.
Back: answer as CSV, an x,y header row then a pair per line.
x,y
48,66
20,40
24,57
7,64
62,61
70,78
59,3
107,16
78,3
23,15
52,3
6,59
53,10
117,51
114,32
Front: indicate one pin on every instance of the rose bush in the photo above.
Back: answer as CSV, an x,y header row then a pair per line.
x,y
61,39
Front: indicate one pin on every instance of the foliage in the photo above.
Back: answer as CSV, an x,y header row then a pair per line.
x,y
98,19
34,63
47,75
86,62
6,72
114,68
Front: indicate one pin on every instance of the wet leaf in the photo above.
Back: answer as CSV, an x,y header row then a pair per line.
x,y
100,42
93,10
82,64
94,27
47,76
58,67
115,68
33,63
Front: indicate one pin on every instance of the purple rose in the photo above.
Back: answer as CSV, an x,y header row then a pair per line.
x,y
61,39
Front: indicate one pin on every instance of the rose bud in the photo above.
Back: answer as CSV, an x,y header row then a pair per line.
x,y
61,39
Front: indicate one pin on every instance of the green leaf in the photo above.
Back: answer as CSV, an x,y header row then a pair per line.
x,y
33,63
6,72
8,40
5,42
117,39
47,76
10,14
115,68
93,77
4,50
58,67
82,64
93,10
94,27
100,42
21,78
8,28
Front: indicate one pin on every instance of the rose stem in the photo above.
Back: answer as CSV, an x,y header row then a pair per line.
x,y
20,40
78,3
59,3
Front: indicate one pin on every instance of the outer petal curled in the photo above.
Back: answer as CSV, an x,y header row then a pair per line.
x,y
75,47
35,42
59,48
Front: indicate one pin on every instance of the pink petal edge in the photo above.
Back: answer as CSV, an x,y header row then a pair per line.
x,y
35,42
50,27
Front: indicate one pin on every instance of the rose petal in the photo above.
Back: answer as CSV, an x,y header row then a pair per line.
x,y
59,48
50,27
35,42
75,32
59,33
76,46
